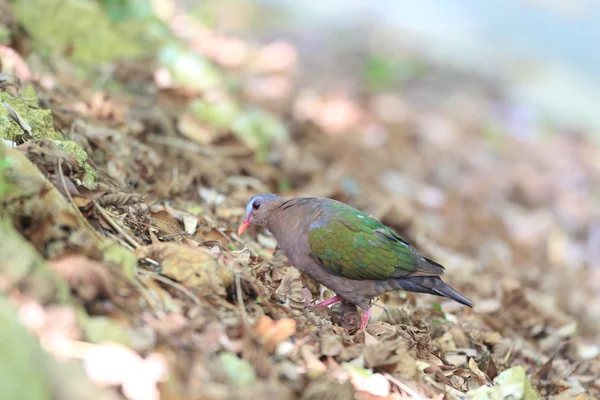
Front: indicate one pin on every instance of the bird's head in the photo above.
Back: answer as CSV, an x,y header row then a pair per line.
x,y
258,210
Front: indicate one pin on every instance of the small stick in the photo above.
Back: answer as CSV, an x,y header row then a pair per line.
x,y
106,216
171,283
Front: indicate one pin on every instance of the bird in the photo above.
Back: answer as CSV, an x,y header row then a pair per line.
x,y
346,250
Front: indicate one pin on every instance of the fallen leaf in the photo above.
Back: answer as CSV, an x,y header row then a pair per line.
x,y
167,225
195,267
291,290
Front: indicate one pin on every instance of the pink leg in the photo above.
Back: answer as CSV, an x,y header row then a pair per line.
x,y
330,301
366,315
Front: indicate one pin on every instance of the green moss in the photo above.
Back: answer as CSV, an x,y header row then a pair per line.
x,y
27,107
73,149
83,27
117,254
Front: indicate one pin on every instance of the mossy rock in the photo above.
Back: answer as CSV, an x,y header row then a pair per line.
x,y
27,107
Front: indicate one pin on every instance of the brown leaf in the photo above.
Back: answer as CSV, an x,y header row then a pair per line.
x,y
491,369
195,267
384,354
546,368
46,154
483,379
437,372
167,225
382,331
417,338
457,382
209,235
119,199
291,290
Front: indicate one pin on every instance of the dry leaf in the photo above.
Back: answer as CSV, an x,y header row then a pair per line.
x,y
475,368
291,290
195,267
382,331
168,226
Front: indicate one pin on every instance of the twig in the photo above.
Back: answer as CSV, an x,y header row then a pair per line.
x,y
119,240
442,359
106,216
171,283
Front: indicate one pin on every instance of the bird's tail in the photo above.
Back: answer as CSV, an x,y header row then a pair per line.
x,y
432,285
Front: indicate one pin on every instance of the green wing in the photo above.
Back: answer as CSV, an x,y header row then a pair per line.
x,y
349,243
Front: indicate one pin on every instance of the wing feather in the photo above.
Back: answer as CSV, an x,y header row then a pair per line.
x,y
349,243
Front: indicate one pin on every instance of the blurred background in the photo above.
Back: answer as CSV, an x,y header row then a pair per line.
x,y
541,53
541,50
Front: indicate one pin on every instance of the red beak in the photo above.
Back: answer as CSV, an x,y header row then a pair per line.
x,y
244,224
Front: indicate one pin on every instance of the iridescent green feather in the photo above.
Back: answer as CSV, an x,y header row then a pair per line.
x,y
349,243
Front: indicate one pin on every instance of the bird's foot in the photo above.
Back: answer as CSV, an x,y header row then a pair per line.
x,y
366,315
329,301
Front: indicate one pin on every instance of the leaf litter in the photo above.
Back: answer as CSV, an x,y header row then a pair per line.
x,y
120,216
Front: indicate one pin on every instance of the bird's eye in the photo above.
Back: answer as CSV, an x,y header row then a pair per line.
x,y
255,204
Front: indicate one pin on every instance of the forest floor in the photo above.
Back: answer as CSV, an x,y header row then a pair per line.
x,y
122,194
